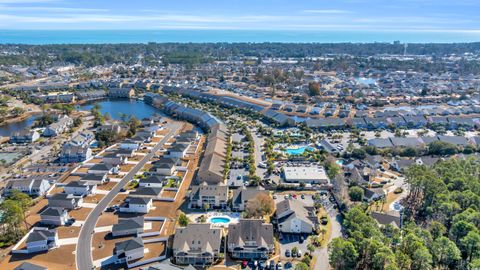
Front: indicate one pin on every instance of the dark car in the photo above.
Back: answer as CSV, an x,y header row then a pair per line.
x,y
287,253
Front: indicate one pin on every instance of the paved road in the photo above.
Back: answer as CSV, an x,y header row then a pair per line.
x,y
84,246
322,254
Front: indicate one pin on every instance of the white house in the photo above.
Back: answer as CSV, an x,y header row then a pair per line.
x,y
136,205
41,239
102,169
154,181
293,216
130,144
54,216
59,127
25,136
29,186
79,188
63,200
129,250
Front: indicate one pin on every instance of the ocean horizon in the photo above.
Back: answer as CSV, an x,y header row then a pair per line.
x,y
41,37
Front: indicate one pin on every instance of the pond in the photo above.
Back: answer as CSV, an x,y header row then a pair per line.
x,y
8,129
117,107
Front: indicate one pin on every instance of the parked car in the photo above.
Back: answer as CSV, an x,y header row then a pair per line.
x,y
244,264
299,253
302,196
287,253
279,266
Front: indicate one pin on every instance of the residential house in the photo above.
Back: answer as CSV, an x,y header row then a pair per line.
x,y
140,205
54,216
84,138
242,195
24,136
197,244
210,196
250,239
79,188
41,239
390,218
102,169
293,216
73,153
153,181
28,186
129,250
99,179
373,194
29,266
59,127
147,192
64,200
114,159
121,92
130,144
128,226
178,150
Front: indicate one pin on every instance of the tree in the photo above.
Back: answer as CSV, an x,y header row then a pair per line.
x,y
260,206
301,266
342,254
183,220
23,200
421,259
17,111
471,245
133,123
313,88
445,252
77,121
359,153
356,193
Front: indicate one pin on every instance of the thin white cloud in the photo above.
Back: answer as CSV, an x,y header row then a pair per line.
x,y
327,11
50,9
25,1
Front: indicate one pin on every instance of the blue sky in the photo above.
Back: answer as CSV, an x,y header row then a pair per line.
x,y
348,15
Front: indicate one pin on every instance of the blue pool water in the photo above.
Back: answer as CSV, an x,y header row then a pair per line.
x,y
298,151
223,220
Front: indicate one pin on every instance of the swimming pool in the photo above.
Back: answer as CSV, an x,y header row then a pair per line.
x,y
298,150
220,220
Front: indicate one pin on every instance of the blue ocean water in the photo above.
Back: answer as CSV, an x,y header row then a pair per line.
x,y
198,36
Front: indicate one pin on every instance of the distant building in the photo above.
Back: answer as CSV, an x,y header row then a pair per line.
x,y
73,153
59,127
24,136
121,92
